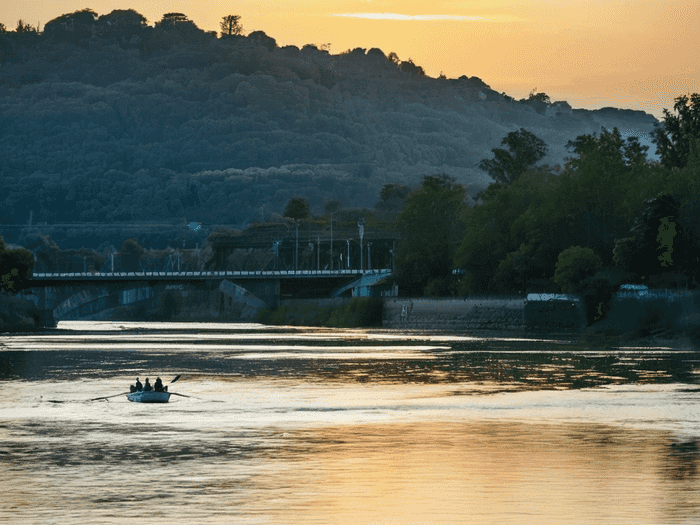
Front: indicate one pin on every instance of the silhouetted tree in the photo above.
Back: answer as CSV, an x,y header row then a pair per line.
x,y
123,23
231,25
297,208
409,67
393,58
72,27
3,29
542,97
524,150
679,132
170,20
23,27
129,254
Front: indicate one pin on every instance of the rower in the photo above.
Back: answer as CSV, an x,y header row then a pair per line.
x,y
147,387
158,385
139,386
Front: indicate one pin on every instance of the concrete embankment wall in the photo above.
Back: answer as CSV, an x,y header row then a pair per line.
x,y
488,313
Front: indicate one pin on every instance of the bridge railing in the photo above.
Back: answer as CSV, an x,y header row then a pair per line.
x,y
227,273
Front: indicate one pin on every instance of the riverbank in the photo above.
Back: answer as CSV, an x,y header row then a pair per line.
x,y
360,312
18,315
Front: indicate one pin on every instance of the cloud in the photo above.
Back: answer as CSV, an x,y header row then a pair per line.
x,y
400,17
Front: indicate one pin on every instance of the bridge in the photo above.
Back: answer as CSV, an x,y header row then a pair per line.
x,y
77,295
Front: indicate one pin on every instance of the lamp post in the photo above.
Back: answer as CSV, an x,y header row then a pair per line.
x,y
348,259
331,256
361,226
296,248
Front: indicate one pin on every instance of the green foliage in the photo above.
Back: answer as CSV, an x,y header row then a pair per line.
x,y
16,267
656,242
574,266
520,218
297,208
361,312
430,227
679,131
524,150
231,25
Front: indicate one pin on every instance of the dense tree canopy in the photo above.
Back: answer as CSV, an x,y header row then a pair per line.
x,y
574,266
16,267
430,227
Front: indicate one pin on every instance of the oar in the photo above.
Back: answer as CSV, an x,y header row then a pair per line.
x,y
183,395
176,378
107,397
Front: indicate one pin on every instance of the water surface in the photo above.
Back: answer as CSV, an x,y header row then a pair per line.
x,y
307,425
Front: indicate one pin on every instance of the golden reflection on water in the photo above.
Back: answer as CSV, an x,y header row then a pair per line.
x,y
480,472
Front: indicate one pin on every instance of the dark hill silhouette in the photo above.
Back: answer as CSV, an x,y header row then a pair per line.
x,y
104,118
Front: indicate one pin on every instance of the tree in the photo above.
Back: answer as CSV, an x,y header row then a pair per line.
x,y
542,97
123,23
574,266
3,29
409,67
130,254
16,268
231,25
72,27
393,58
23,27
524,150
430,226
679,132
297,208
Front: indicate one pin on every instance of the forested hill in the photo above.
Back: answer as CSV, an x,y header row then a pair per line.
x,y
105,118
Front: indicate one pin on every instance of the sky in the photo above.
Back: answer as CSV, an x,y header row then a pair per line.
x,y
636,54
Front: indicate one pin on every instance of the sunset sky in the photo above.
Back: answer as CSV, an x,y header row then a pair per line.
x,y
637,54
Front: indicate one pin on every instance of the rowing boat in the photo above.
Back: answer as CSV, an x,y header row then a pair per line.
x,y
150,396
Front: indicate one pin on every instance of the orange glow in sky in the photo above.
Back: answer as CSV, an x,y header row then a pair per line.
x,y
637,54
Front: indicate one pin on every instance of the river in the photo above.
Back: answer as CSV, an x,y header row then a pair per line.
x,y
287,425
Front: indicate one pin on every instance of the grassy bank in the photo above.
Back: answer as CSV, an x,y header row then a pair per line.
x,y
361,312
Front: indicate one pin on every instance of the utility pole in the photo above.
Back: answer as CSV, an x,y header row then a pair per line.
x,y
318,253
348,261
369,255
296,248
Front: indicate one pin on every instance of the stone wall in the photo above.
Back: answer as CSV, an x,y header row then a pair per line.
x,y
489,313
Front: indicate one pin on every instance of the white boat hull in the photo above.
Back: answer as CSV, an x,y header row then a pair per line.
x,y
148,397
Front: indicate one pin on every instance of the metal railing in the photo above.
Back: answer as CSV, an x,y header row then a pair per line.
x,y
212,274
